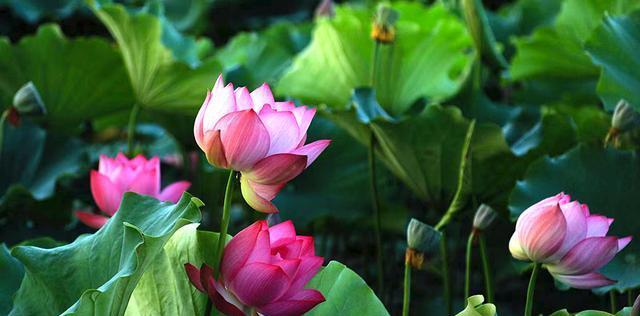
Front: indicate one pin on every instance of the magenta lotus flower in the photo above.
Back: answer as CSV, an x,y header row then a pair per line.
x,y
263,269
261,138
569,241
115,176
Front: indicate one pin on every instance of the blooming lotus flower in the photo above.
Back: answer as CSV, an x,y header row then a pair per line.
x,y
569,241
263,269
115,176
261,138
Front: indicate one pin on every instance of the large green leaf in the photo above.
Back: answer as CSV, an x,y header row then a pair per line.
x,y
614,46
606,180
164,288
12,273
78,79
430,58
97,274
345,293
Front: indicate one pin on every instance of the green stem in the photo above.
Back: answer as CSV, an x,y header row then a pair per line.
x,y
467,274
3,118
407,289
613,299
532,287
131,128
486,268
226,214
445,273
630,297
374,65
375,202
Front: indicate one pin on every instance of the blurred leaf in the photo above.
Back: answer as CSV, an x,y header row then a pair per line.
x,y
78,79
476,308
623,312
164,288
34,10
367,107
96,274
12,271
345,293
605,179
430,58
614,46
482,34
185,13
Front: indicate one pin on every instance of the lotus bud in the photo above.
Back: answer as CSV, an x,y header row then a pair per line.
x,y
27,101
325,8
383,29
485,215
421,239
635,310
624,117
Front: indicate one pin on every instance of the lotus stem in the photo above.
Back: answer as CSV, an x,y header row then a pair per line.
x,y
375,202
532,287
226,214
445,273
486,268
131,128
613,300
467,274
407,288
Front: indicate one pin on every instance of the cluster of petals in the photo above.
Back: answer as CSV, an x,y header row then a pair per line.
x,y
263,269
568,240
118,175
263,139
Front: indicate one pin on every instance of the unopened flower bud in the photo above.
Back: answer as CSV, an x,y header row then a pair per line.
x,y
422,237
325,8
27,101
635,311
383,29
484,217
624,117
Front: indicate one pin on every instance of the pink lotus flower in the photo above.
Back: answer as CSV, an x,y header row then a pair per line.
x,y
263,269
261,138
569,241
116,176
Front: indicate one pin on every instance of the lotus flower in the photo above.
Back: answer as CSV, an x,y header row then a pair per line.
x,y
115,176
263,269
261,138
569,241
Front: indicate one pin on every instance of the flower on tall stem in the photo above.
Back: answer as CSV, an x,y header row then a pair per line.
x,y
262,139
118,175
264,269
568,240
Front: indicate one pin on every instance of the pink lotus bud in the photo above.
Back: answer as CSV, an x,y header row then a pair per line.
x,y
261,138
115,176
570,241
265,269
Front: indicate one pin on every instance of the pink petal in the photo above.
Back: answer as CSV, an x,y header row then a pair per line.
x,y
239,248
587,256
258,284
623,242
289,266
308,248
278,168
299,304
516,249
243,99
284,132
259,196
285,106
223,102
193,274
282,233
198,125
598,225
106,195
92,220
576,228
147,182
541,232
304,117
309,267
291,250
261,96
244,138
173,192
214,150
261,252
219,299
312,150
584,281
559,198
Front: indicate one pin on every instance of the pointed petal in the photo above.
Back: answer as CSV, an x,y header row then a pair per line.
x,y
173,192
259,196
282,233
299,304
147,182
278,168
284,132
92,220
576,228
306,116
584,281
261,96
541,232
308,248
309,267
198,125
223,101
243,99
289,266
623,242
239,248
258,284
244,138
312,150
193,274
106,195
598,225
261,250
587,256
